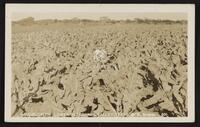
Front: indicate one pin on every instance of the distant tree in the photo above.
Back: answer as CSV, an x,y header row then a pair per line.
x,y
128,20
75,19
105,19
26,21
138,20
55,20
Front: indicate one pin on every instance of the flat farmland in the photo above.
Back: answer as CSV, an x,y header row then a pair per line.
x,y
99,69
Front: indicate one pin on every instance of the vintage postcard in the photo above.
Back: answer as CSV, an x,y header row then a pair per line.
x,y
99,63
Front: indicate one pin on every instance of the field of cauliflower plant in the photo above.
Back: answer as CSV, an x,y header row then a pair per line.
x,y
102,69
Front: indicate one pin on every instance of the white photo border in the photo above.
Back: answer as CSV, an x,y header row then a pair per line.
x,y
95,8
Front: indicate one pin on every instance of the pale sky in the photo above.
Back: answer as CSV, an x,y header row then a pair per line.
x,y
97,15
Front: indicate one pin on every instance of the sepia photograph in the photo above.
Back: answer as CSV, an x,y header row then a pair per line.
x,y
99,63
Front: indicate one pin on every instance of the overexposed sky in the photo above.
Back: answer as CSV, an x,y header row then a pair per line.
x,y
95,11
97,15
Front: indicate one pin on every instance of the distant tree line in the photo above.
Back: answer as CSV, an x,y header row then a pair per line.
x,y
31,20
